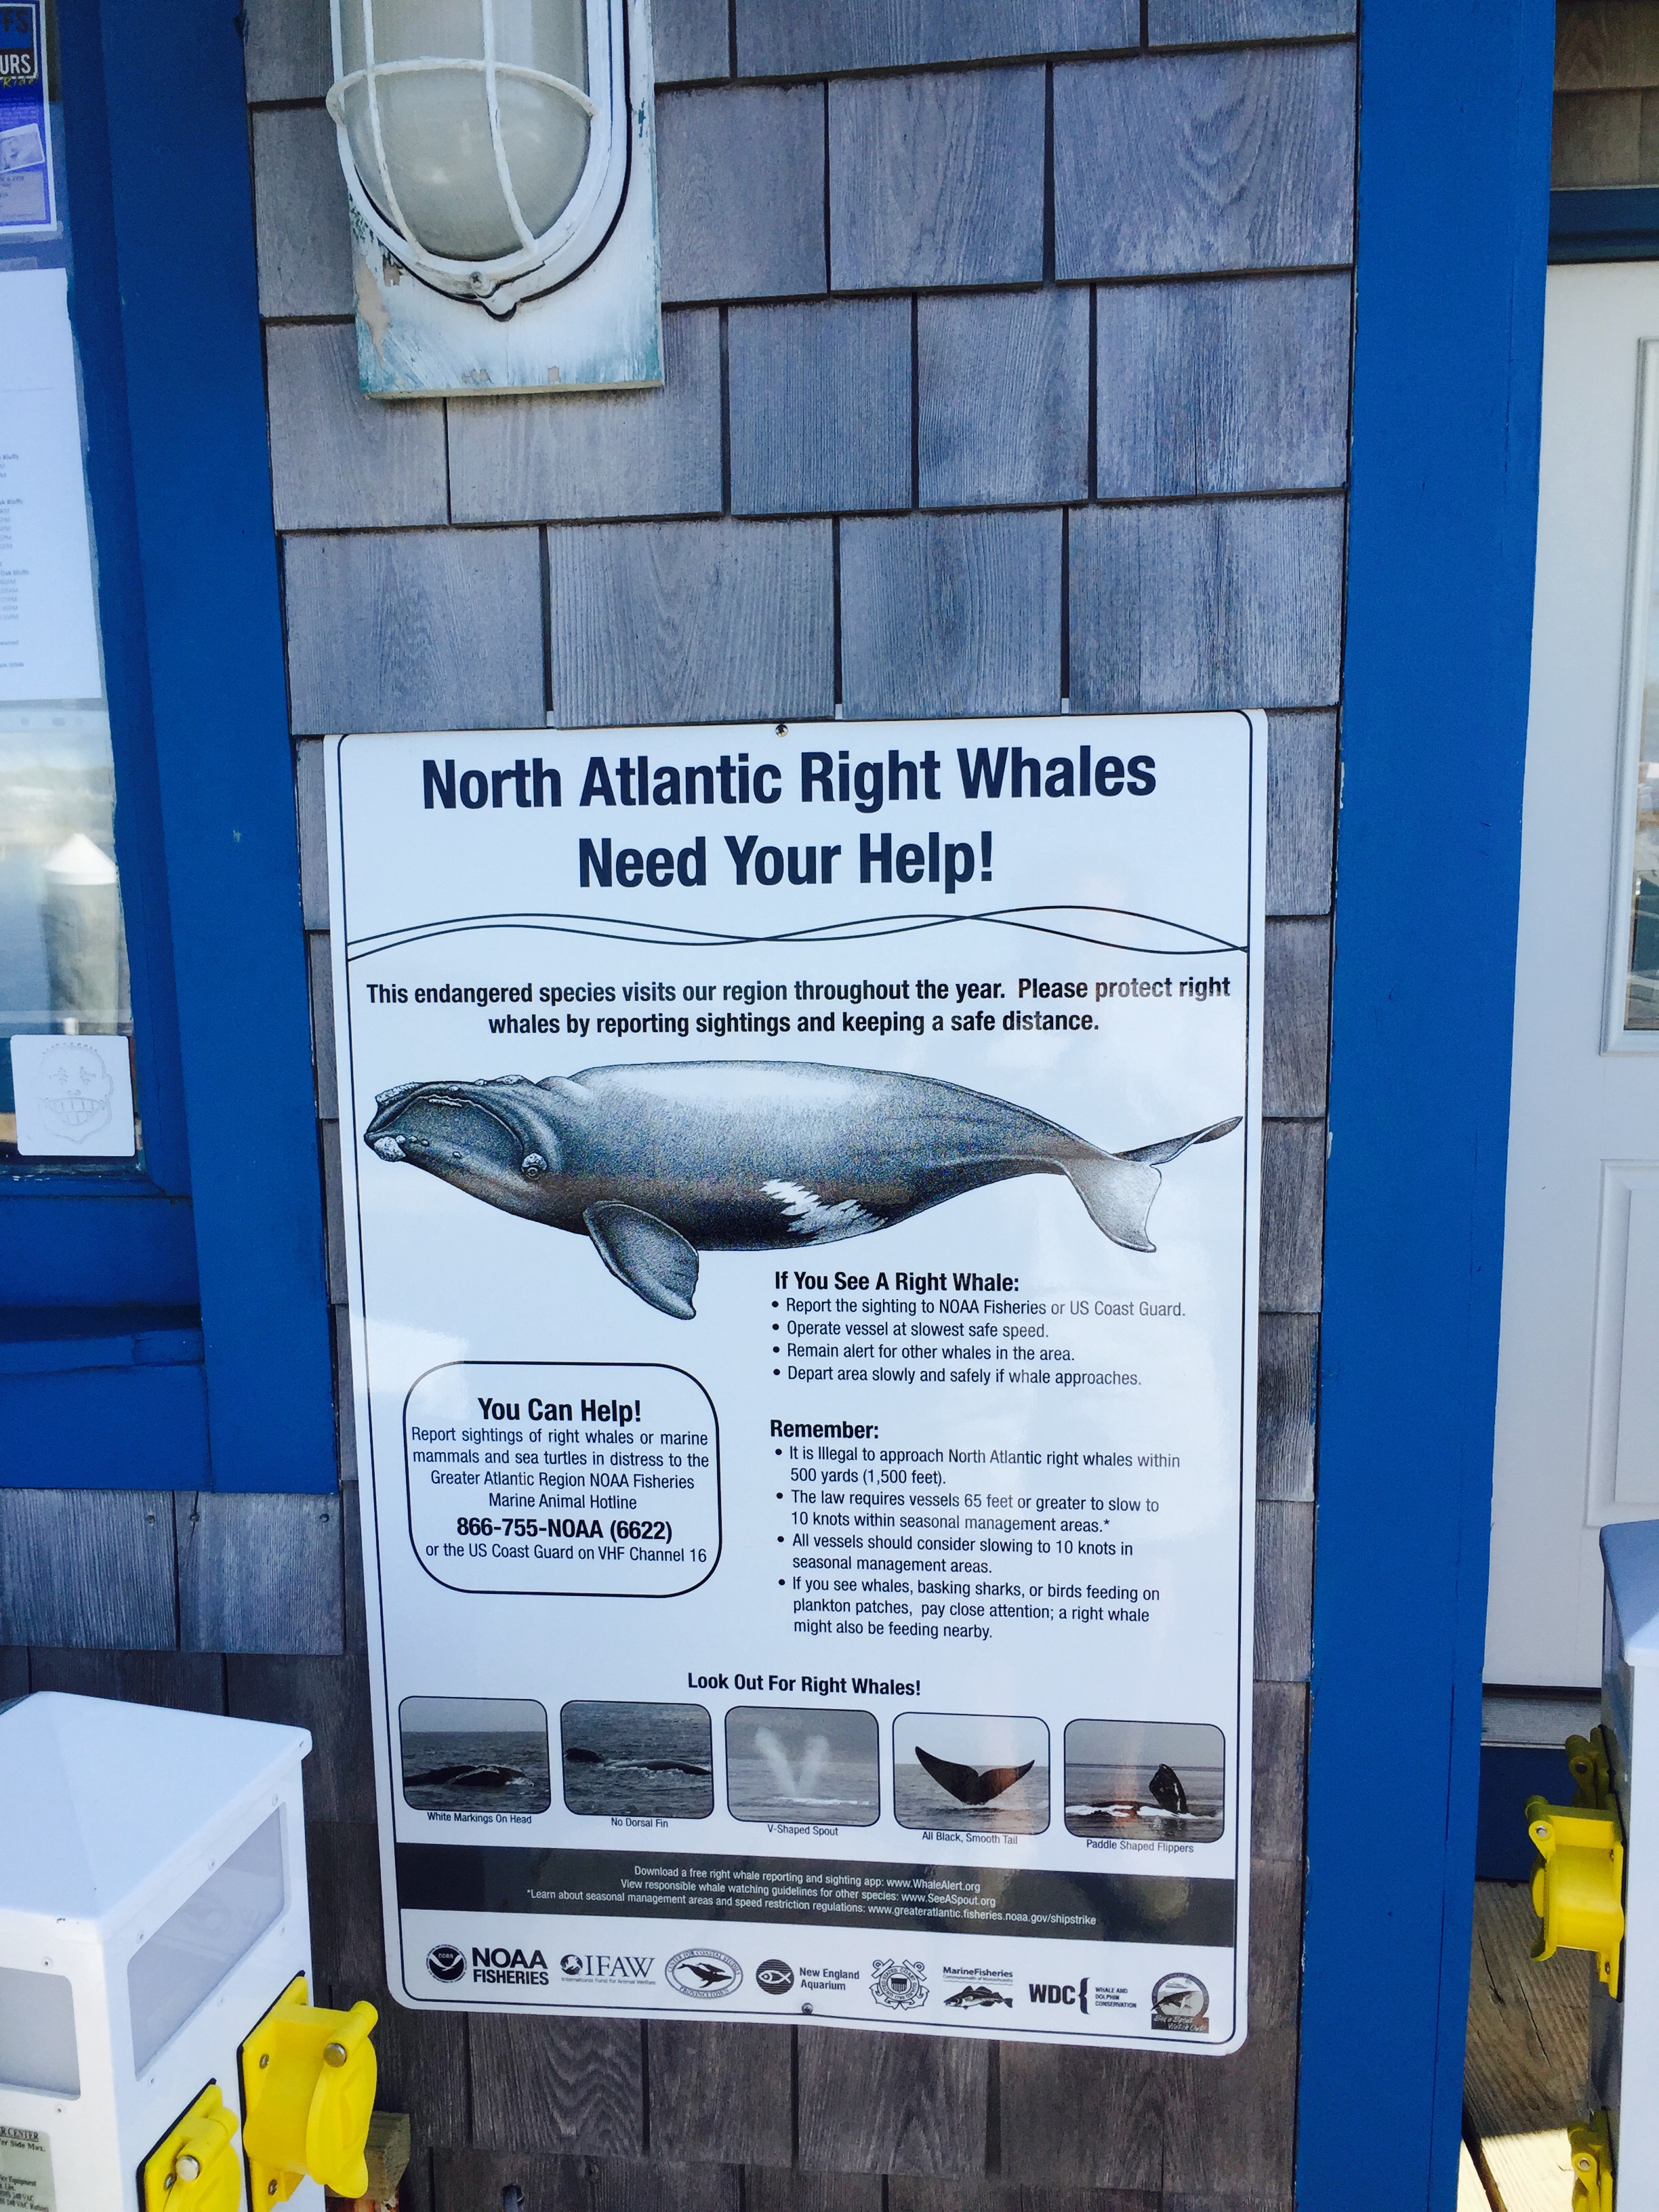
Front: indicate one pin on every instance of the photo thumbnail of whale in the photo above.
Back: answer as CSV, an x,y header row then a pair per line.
x,y
658,1163
817,1763
973,1772
475,1755
643,1760
1148,1780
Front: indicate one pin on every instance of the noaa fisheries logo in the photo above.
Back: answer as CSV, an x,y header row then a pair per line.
x,y
1181,2005
900,1983
703,1974
774,1978
445,1963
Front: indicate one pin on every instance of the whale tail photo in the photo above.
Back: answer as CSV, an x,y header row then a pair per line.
x,y
1119,1188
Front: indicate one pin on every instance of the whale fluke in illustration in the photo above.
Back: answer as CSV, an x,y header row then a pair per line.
x,y
971,1785
657,1163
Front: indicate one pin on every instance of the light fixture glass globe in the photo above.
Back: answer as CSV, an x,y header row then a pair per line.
x,y
433,167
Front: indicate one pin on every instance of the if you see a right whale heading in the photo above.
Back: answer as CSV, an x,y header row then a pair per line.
x,y
657,1163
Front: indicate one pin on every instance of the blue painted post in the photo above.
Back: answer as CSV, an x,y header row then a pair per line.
x,y
1454,160
178,129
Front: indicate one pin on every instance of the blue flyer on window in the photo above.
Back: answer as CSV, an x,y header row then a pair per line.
x,y
28,198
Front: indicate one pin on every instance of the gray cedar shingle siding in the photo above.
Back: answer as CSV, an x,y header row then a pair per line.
x,y
900,493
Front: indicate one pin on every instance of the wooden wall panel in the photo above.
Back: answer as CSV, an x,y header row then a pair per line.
x,y
890,2104
474,2181
695,621
1213,22
1207,604
286,50
598,454
1238,385
87,1567
340,461
1075,2118
189,1681
785,2189
301,232
308,795
415,631
258,1573
911,2192
1301,812
330,1698
781,37
937,179
721,2091
557,2087
1287,1405
1187,164
1292,1215
1296,1026
950,614
1284,1592
691,39
820,407
1002,398
1279,1775
740,192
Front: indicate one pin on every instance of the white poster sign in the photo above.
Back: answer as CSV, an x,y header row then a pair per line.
x,y
801,1189
48,620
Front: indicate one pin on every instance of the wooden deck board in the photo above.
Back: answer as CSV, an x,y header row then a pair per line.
x,y
1529,2046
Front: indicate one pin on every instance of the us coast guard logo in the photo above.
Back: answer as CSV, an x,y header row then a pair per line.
x,y
900,1983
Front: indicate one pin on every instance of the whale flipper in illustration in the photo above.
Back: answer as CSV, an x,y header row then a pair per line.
x,y
971,1785
651,1258
659,1163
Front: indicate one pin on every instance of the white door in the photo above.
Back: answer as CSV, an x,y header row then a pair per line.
x,y
1577,1440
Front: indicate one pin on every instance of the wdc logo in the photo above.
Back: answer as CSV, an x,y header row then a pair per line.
x,y
901,1983
445,1963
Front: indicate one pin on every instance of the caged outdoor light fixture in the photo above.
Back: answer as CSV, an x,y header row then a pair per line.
x,y
494,151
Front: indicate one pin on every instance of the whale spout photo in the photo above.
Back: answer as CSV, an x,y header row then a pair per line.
x,y
657,1163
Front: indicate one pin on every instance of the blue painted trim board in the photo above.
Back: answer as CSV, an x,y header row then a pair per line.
x,y
1618,224
1453,208
184,225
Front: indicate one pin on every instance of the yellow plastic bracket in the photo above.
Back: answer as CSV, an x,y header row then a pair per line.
x,y
1591,2145
194,2167
1578,1890
1591,1771
309,2079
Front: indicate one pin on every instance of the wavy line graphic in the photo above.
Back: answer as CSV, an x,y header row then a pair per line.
x,y
1082,925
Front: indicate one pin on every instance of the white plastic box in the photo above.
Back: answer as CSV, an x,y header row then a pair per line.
x,y
152,1909
1624,2032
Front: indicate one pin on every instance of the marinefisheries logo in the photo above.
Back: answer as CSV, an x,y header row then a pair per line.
x,y
1181,2005
703,1974
900,1983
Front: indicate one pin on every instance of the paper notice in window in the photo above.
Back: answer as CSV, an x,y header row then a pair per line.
x,y
48,619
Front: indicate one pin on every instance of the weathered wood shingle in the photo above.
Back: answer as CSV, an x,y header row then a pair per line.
x,y
950,614
1220,603
1002,398
936,179
786,38
740,192
594,454
301,232
1183,164
692,621
1213,22
691,40
1230,386
820,407
431,630
340,461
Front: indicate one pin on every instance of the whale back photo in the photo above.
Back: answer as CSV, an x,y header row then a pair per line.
x,y
656,1164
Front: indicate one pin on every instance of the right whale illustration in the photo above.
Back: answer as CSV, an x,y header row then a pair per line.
x,y
656,1164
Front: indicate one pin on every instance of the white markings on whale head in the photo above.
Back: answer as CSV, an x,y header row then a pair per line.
x,y
814,1222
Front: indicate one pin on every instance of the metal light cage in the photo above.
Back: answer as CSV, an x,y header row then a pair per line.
x,y
541,260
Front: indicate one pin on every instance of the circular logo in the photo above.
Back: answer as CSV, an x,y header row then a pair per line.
x,y
570,1964
900,1983
774,1977
1182,2002
703,1974
445,1963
